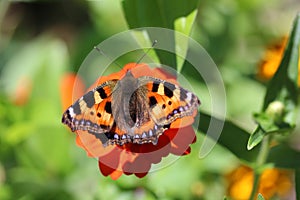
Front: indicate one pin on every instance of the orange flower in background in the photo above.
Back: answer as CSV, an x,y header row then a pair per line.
x,y
272,182
22,92
272,59
67,92
132,158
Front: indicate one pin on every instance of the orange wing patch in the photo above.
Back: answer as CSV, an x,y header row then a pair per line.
x,y
89,112
169,102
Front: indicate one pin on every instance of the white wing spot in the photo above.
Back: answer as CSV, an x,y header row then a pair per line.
x,y
71,111
189,96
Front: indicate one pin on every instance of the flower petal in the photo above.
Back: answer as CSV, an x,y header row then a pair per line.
x,y
109,163
67,92
92,145
181,139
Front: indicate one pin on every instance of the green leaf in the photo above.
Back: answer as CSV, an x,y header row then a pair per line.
x,y
156,13
283,156
260,197
297,182
266,126
183,25
265,122
269,125
177,15
281,90
283,86
233,138
255,138
42,54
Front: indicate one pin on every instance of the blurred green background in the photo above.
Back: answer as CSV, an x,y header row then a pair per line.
x,y
40,41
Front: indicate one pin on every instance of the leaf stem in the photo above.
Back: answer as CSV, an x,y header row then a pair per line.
x,y
260,161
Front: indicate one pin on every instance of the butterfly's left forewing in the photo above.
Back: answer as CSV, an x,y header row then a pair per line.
x,y
92,112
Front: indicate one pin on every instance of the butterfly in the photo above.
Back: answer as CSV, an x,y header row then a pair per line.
x,y
130,110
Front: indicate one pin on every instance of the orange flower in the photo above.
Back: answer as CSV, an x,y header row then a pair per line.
x,y
132,158
22,92
272,182
272,59
67,92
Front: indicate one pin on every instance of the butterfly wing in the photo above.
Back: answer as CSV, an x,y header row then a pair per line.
x,y
92,112
167,102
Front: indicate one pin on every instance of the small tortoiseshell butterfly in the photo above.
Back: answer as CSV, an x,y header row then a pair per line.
x,y
136,110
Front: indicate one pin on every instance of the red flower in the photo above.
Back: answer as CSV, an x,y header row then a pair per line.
x,y
131,158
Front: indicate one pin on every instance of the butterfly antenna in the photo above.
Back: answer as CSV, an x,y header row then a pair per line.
x,y
101,52
153,44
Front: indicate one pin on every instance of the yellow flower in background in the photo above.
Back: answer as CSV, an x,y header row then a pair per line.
x,y
271,61
272,182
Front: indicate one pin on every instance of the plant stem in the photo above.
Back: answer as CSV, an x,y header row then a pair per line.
x,y
261,159
255,185
263,152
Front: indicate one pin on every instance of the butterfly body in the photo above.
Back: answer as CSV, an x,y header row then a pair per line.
x,y
129,104
136,110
